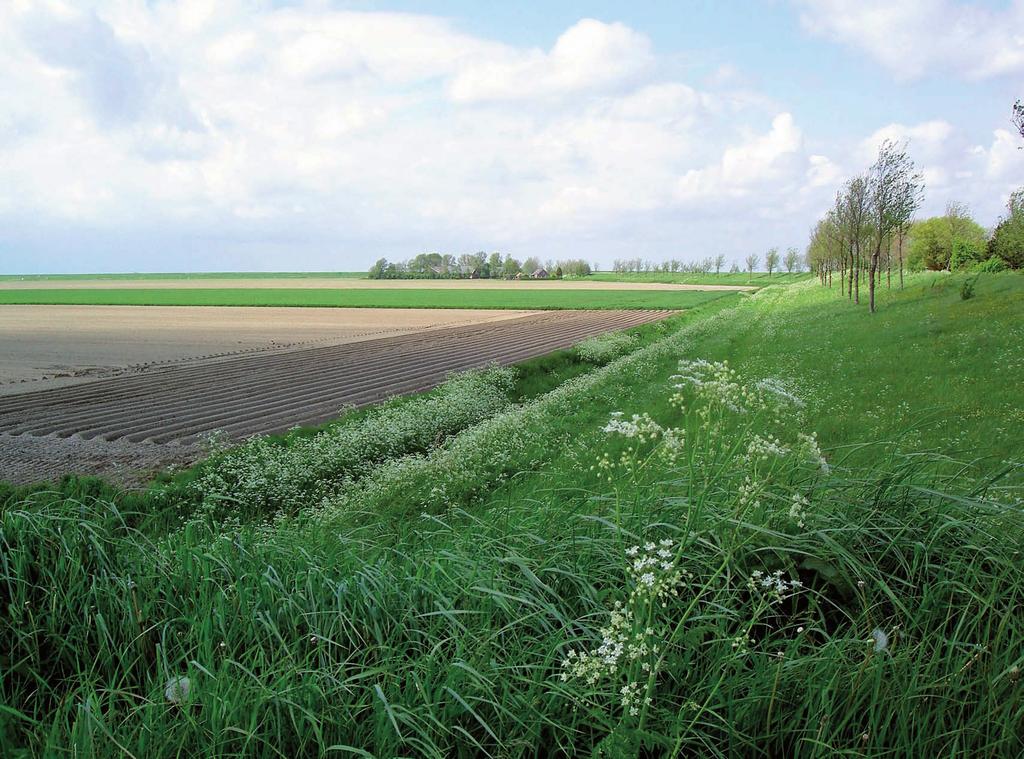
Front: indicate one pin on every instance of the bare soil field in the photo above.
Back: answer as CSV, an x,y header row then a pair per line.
x,y
47,346
125,427
351,284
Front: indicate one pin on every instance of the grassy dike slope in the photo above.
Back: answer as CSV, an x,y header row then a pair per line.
x,y
454,602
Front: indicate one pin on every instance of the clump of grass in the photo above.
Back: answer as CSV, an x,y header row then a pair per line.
x,y
967,287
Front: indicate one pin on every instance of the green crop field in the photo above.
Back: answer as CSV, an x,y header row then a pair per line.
x,y
630,549
757,279
183,275
529,298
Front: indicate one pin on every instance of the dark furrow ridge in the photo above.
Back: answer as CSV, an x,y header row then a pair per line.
x,y
241,415
271,373
257,394
84,414
155,378
228,398
319,413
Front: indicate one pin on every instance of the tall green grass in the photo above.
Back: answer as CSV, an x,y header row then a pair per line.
x,y
186,275
430,609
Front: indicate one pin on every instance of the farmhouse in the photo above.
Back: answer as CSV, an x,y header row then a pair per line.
x,y
540,274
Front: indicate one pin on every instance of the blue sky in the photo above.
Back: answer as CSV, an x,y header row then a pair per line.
x,y
238,134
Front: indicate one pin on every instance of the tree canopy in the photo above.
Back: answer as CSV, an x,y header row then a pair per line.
x,y
933,241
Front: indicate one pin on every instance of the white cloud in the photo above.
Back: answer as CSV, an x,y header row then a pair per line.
x,y
757,162
915,38
590,56
195,131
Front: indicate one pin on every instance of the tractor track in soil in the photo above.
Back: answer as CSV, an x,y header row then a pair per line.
x,y
126,427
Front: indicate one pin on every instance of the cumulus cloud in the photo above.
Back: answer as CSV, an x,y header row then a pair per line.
x,y
914,38
758,161
590,56
216,133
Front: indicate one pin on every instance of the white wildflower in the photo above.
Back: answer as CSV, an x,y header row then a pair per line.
x,y
178,690
809,445
798,509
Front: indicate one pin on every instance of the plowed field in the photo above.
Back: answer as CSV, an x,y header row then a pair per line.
x,y
166,412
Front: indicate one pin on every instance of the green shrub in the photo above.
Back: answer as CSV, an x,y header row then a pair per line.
x,y
991,265
966,253
967,287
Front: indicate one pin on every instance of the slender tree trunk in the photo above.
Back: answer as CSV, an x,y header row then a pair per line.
x,y
901,258
888,264
856,279
850,272
871,278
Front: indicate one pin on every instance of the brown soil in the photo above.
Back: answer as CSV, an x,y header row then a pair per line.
x,y
95,427
47,346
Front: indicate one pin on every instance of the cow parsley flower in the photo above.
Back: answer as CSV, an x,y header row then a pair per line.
x,y
809,446
798,509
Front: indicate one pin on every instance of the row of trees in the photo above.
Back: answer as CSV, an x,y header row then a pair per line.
x,y
870,227
864,233
774,261
480,264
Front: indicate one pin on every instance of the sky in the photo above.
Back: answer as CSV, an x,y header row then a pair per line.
x,y
249,135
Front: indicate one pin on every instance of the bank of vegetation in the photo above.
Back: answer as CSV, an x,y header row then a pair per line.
x,y
664,554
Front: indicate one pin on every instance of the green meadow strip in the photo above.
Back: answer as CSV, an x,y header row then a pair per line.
x,y
528,298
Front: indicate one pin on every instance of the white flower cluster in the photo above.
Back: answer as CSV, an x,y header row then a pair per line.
x,y
809,445
798,510
640,426
632,697
267,475
773,587
656,576
654,571
749,493
773,389
673,441
763,448
621,643
716,383
601,349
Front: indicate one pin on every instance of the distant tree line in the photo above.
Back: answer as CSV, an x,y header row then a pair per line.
x,y
478,265
792,261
